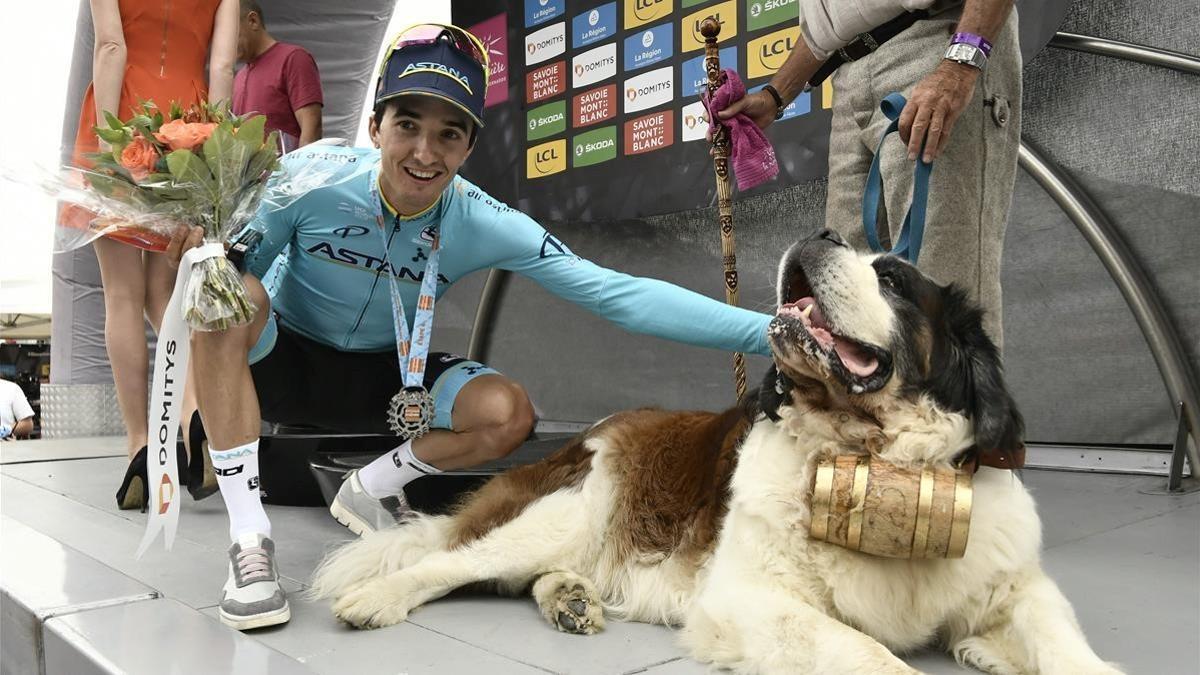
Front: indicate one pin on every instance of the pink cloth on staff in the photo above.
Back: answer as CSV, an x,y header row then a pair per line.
x,y
750,149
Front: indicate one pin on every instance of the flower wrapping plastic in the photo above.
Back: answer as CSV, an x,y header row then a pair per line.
x,y
200,167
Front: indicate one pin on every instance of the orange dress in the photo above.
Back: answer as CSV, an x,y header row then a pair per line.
x,y
166,47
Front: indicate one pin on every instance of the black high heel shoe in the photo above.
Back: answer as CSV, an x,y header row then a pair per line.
x,y
201,481
134,492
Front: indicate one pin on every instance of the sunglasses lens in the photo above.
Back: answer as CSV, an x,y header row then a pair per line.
x,y
430,33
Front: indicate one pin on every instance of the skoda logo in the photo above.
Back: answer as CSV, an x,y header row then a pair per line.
x,y
579,150
532,124
593,17
755,9
350,231
647,39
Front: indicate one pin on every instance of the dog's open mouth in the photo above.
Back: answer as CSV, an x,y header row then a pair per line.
x,y
800,322
856,357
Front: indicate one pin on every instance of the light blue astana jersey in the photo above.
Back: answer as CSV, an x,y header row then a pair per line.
x,y
329,285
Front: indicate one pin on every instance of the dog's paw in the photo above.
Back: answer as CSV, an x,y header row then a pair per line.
x,y
372,605
570,603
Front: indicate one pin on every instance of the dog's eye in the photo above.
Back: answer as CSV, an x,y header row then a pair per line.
x,y
887,278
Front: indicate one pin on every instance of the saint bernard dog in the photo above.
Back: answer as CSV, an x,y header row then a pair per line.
x,y
700,520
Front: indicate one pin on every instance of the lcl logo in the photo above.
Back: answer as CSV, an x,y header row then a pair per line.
x,y
769,54
644,9
547,155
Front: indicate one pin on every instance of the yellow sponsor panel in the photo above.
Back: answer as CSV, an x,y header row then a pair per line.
x,y
638,12
545,159
726,13
765,55
827,93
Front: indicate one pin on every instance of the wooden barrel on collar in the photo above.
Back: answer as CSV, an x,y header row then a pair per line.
x,y
868,505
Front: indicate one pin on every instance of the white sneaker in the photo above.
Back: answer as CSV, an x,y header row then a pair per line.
x,y
362,513
252,597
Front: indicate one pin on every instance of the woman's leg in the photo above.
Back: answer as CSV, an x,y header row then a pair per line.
x,y
121,274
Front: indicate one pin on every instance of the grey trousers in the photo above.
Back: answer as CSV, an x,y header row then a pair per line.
x,y
972,182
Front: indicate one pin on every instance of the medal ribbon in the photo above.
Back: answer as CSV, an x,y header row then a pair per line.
x,y
412,354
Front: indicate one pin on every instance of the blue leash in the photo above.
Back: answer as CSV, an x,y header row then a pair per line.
x,y
908,244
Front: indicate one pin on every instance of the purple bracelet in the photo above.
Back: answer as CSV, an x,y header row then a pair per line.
x,y
974,40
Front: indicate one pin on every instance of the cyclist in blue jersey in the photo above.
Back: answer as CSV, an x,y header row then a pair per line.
x,y
322,348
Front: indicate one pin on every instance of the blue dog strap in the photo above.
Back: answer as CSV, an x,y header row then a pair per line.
x,y
908,244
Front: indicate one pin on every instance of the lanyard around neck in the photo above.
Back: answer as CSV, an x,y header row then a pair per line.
x,y
412,354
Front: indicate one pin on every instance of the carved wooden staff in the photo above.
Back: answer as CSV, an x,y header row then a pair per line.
x,y
709,28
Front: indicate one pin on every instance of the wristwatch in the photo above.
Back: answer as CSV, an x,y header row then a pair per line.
x,y
966,54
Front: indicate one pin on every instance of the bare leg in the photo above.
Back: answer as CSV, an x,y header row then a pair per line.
x,y
224,387
121,274
492,417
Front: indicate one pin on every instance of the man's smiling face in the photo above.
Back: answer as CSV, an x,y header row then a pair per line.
x,y
424,140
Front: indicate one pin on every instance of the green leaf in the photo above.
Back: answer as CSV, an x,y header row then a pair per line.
x,y
191,173
252,130
110,136
226,158
113,122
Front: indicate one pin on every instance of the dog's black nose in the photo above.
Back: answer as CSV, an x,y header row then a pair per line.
x,y
832,236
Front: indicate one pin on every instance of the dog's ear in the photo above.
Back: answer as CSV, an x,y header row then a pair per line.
x,y
776,391
998,424
967,376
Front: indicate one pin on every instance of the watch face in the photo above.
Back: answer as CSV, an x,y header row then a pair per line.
x,y
965,53
962,52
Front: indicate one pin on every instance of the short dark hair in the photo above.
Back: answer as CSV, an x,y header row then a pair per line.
x,y
382,107
253,6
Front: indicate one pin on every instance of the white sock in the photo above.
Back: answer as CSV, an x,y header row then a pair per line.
x,y
389,474
237,476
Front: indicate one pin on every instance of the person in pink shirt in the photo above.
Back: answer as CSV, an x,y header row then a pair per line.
x,y
279,80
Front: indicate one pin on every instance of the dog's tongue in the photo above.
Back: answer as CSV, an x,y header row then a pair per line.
x,y
856,359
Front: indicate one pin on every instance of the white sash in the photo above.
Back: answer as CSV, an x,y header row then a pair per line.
x,y
166,398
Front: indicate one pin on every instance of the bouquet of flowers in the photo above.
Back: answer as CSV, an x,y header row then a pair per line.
x,y
201,166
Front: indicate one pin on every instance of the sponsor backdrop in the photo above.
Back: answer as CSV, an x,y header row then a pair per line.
x,y
593,112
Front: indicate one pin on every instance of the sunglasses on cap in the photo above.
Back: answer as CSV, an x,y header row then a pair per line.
x,y
431,33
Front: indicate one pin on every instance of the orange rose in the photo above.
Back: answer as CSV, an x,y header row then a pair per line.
x,y
180,135
139,157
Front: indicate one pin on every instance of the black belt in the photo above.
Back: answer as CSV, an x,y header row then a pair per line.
x,y
866,43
